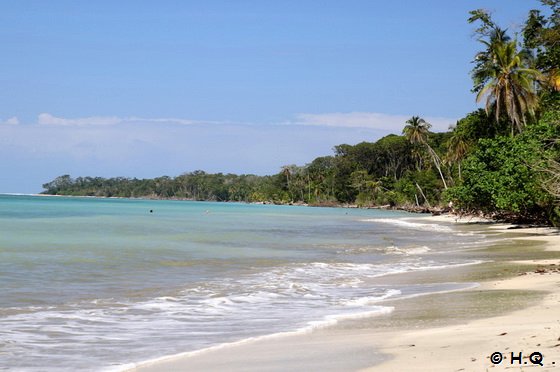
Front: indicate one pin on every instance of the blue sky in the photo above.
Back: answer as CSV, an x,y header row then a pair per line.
x,y
146,88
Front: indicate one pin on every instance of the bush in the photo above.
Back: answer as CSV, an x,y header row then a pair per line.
x,y
501,175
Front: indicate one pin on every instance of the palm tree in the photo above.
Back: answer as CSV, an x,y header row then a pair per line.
x,y
511,86
287,171
457,147
416,131
502,74
484,60
503,77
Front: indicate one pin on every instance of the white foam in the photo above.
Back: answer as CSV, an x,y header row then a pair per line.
x,y
368,300
410,225
407,251
417,250
470,233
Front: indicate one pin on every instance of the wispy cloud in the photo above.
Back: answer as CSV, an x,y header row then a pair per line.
x,y
370,120
365,120
11,121
49,119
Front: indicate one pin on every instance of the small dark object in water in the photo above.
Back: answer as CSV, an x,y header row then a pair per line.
x,y
151,211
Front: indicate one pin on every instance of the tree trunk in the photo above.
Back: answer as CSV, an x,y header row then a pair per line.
x,y
424,196
436,160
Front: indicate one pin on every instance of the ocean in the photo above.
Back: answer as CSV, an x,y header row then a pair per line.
x,y
102,284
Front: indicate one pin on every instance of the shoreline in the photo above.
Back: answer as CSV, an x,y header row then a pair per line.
x,y
181,360
461,344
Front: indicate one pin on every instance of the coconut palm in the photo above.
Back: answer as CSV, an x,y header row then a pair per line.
x,y
287,171
502,74
510,87
457,147
416,131
484,60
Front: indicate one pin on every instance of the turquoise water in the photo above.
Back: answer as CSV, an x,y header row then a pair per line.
x,y
96,284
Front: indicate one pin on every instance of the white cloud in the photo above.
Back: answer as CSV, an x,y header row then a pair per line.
x,y
11,121
364,120
48,119
370,120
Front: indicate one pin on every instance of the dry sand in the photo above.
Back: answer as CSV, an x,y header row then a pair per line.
x,y
460,345
468,346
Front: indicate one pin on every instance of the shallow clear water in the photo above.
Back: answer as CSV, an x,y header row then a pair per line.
x,y
94,284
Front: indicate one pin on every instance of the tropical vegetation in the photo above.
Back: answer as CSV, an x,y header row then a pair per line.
x,y
503,160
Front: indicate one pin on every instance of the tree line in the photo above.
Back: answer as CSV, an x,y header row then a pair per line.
x,y
502,160
388,171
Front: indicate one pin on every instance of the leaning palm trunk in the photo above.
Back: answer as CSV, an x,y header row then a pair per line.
x,y
437,163
423,195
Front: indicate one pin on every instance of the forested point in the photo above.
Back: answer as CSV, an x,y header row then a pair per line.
x,y
502,161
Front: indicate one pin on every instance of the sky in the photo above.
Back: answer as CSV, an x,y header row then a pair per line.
x,y
150,88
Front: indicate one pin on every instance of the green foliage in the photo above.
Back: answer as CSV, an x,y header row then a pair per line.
x,y
59,183
501,176
550,106
478,124
542,37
